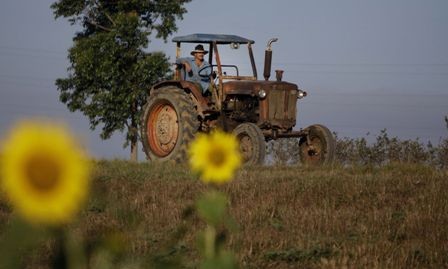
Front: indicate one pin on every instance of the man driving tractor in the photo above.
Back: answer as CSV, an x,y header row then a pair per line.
x,y
192,66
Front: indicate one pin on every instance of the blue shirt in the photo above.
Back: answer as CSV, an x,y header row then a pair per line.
x,y
204,81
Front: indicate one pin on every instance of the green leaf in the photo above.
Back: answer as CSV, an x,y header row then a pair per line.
x,y
212,207
110,71
18,237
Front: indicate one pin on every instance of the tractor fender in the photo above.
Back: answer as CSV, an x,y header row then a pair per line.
x,y
191,88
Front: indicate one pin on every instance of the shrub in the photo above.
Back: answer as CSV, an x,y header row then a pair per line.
x,y
358,151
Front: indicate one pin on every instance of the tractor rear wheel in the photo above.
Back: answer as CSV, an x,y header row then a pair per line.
x,y
318,147
169,123
252,143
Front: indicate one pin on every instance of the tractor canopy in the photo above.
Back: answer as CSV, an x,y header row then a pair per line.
x,y
224,69
212,38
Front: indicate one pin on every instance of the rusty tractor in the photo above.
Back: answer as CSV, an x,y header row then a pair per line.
x,y
255,111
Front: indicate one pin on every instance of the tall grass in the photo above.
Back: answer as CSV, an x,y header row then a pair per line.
x,y
393,216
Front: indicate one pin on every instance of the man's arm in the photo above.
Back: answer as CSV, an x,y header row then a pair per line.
x,y
185,62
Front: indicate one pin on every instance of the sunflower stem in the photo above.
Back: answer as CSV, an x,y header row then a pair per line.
x,y
75,252
210,237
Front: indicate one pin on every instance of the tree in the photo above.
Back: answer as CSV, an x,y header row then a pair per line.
x,y
110,72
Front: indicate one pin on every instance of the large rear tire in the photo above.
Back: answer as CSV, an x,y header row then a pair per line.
x,y
169,124
321,149
252,143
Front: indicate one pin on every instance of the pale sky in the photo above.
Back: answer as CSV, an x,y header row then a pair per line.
x,y
366,65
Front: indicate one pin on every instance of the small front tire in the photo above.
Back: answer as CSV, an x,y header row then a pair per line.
x,y
318,147
252,143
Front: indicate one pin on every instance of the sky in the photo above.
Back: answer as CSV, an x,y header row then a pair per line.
x,y
367,65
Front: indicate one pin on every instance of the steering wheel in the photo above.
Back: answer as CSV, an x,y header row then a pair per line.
x,y
204,74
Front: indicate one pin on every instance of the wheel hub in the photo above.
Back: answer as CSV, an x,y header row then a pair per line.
x,y
246,147
163,129
313,150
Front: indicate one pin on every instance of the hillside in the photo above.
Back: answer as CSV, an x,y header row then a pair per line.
x,y
286,217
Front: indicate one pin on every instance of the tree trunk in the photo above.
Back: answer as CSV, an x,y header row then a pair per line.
x,y
134,133
134,147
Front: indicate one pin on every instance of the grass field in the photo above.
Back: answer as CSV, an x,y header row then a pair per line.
x,y
395,216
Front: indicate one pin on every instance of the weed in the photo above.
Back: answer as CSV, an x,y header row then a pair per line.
x,y
387,216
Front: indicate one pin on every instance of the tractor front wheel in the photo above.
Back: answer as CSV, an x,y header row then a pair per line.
x,y
318,147
252,143
169,123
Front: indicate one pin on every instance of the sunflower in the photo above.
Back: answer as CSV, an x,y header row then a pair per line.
x,y
44,174
216,156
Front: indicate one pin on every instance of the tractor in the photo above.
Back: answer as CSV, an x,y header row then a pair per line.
x,y
255,111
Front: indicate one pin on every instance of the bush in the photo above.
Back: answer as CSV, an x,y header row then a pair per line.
x,y
357,151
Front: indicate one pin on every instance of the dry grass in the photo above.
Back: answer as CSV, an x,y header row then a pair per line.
x,y
288,217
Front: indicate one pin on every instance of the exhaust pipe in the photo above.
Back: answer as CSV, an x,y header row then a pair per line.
x,y
268,59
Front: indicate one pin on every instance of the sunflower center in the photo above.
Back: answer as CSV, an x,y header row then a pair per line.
x,y
42,172
217,156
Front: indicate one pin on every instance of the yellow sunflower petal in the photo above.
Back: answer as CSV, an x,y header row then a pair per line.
x,y
44,174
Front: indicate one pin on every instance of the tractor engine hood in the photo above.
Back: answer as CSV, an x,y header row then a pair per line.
x,y
254,87
277,100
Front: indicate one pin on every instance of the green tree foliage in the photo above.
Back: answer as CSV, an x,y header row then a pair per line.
x,y
110,72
